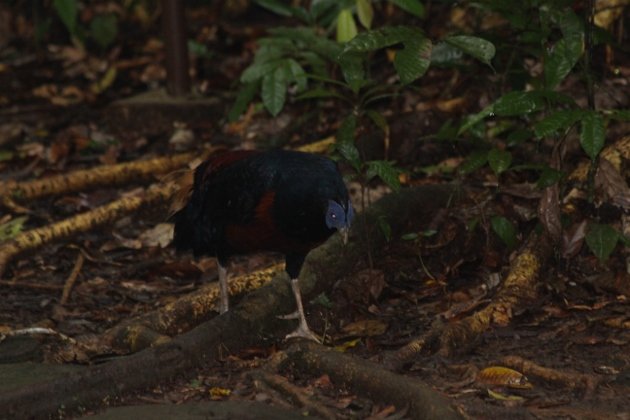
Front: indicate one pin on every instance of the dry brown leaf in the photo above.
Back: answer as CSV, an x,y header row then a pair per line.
x,y
365,328
502,376
160,235
612,184
573,239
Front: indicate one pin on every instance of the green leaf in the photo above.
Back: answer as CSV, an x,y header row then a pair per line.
x,y
472,120
602,240
297,73
378,119
276,6
444,54
365,12
411,6
474,161
258,70
346,28
619,114
592,136
318,93
557,121
243,98
385,227
499,160
548,177
345,142
67,11
381,38
414,59
353,70
412,236
12,228
505,230
477,47
104,29
563,56
274,90
385,171
518,103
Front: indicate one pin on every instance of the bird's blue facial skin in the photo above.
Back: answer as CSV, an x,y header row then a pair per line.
x,y
337,217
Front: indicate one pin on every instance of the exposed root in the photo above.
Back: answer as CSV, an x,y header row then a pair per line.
x,y
365,378
573,380
518,290
158,326
72,278
94,177
35,238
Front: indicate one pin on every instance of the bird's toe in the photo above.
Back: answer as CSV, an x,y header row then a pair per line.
x,y
304,332
294,315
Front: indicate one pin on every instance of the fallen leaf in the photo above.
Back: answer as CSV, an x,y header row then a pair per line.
x,y
365,328
612,184
217,393
347,345
504,397
502,376
573,239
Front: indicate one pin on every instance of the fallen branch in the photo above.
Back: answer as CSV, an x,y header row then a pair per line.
x,y
368,379
104,175
245,325
35,238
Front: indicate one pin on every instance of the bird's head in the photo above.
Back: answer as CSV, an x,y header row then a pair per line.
x,y
340,218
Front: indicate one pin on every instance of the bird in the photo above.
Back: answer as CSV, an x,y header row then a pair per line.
x,y
246,201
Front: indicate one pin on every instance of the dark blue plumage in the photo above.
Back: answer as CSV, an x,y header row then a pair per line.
x,y
245,201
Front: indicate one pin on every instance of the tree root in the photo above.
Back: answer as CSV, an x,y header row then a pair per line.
x,y
159,326
245,325
94,177
572,380
518,290
35,238
365,378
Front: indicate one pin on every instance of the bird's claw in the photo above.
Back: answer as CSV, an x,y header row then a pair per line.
x,y
294,315
304,332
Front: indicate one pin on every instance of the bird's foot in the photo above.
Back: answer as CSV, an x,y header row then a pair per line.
x,y
304,331
294,315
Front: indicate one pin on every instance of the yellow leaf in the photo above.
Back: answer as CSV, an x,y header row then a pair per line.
x,y
347,345
502,376
504,397
218,392
366,328
106,81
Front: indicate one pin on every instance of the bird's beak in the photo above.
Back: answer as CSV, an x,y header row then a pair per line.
x,y
344,234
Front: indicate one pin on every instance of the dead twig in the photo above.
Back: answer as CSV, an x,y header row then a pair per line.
x,y
72,278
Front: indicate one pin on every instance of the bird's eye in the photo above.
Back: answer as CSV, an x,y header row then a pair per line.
x,y
333,215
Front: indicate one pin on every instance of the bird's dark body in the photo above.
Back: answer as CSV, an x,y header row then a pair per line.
x,y
245,201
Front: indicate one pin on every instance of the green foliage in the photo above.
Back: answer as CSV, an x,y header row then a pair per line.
x,y
505,230
346,27
67,10
103,28
414,7
593,134
602,240
499,160
12,228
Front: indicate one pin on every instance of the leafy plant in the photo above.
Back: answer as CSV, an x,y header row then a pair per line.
x,y
102,29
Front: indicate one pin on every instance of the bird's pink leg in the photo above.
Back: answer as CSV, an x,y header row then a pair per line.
x,y
223,289
302,330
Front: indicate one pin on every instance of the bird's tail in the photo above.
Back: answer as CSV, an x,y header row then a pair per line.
x,y
186,211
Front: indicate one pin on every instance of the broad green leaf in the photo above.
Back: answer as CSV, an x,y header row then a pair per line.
x,y
518,103
412,236
365,12
444,54
548,177
381,38
505,230
499,160
307,36
557,121
385,171
353,70
474,161
477,47
104,29
11,228
602,240
414,7
561,59
298,75
276,6
318,93
413,60
385,227
274,90
346,28
345,142
243,98
592,136
378,119
67,11
472,120
258,70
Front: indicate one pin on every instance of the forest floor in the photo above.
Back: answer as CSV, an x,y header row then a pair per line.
x,y
54,121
